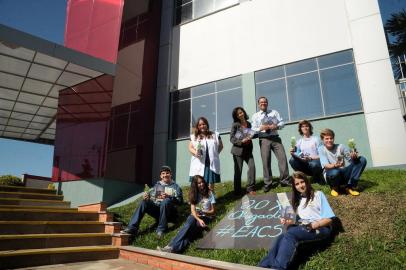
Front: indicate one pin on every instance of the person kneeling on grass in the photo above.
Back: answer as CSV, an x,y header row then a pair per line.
x,y
159,202
341,166
202,212
314,219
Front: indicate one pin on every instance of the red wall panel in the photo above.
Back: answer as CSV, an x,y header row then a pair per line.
x,y
93,27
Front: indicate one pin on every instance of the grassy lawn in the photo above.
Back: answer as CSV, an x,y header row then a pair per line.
x,y
374,224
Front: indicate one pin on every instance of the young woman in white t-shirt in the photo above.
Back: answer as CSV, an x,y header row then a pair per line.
x,y
313,219
305,156
202,209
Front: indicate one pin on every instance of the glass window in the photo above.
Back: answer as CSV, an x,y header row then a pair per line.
x,y
203,89
180,119
184,13
340,90
226,102
227,84
335,75
214,101
202,7
187,10
304,96
301,67
275,92
335,59
204,106
269,74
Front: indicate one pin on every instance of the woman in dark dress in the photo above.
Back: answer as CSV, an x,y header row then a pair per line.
x,y
240,136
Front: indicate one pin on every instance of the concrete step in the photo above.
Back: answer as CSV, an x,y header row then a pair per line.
x,y
37,207
51,215
27,195
44,227
26,189
37,241
35,257
34,202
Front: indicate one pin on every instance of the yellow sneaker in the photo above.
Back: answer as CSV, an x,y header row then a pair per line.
x,y
352,192
334,193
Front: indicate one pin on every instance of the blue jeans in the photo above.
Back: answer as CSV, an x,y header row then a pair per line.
x,y
312,167
284,249
162,212
349,175
187,233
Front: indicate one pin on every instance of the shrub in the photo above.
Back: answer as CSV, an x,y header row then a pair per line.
x,y
10,180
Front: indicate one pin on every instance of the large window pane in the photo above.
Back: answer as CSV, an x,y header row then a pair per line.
x,y
230,83
301,67
203,89
202,7
184,13
340,90
180,119
204,106
269,74
275,92
335,59
226,102
304,96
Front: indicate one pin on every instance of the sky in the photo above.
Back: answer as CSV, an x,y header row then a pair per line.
x,y
17,157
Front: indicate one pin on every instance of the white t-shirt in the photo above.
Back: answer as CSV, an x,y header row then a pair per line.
x,y
316,209
308,146
204,204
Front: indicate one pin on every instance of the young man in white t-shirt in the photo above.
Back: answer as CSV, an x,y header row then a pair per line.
x,y
341,166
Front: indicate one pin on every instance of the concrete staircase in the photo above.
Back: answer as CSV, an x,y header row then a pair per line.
x,y
38,228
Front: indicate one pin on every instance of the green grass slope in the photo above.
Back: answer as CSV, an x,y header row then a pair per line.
x,y
373,236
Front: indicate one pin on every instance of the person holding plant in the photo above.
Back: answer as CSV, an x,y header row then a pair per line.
x,y
342,167
159,202
312,223
202,210
240,136
205,147
304,153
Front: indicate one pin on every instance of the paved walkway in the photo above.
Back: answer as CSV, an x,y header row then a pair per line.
x,y
116,264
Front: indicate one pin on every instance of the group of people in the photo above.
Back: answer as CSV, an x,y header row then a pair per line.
x,y
309,154
321,159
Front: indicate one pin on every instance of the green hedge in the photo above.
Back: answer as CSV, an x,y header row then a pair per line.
x,y
10,180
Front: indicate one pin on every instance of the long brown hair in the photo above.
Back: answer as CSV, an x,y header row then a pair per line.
x,y
196,130
195,191
296,195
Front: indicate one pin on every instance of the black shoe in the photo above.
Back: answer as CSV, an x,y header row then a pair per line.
x,y
286,182
267,188
130,231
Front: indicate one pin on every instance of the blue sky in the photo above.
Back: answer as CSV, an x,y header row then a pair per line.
x,y
18,157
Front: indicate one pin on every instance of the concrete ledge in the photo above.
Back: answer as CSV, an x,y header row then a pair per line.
x,y
172,261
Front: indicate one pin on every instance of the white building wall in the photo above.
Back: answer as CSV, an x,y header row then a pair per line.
x,y
259,34
386,130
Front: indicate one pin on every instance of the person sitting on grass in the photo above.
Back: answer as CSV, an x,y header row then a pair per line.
x,y
341,166
202,209
312,223
305,155
159,202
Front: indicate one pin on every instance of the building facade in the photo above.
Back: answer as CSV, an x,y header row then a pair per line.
x,y
325,61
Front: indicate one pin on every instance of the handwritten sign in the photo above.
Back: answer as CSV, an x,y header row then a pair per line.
x,y
254,223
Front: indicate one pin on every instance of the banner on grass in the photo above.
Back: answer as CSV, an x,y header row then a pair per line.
x,y
254,223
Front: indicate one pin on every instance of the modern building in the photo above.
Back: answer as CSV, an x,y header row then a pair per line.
x,y
118,86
